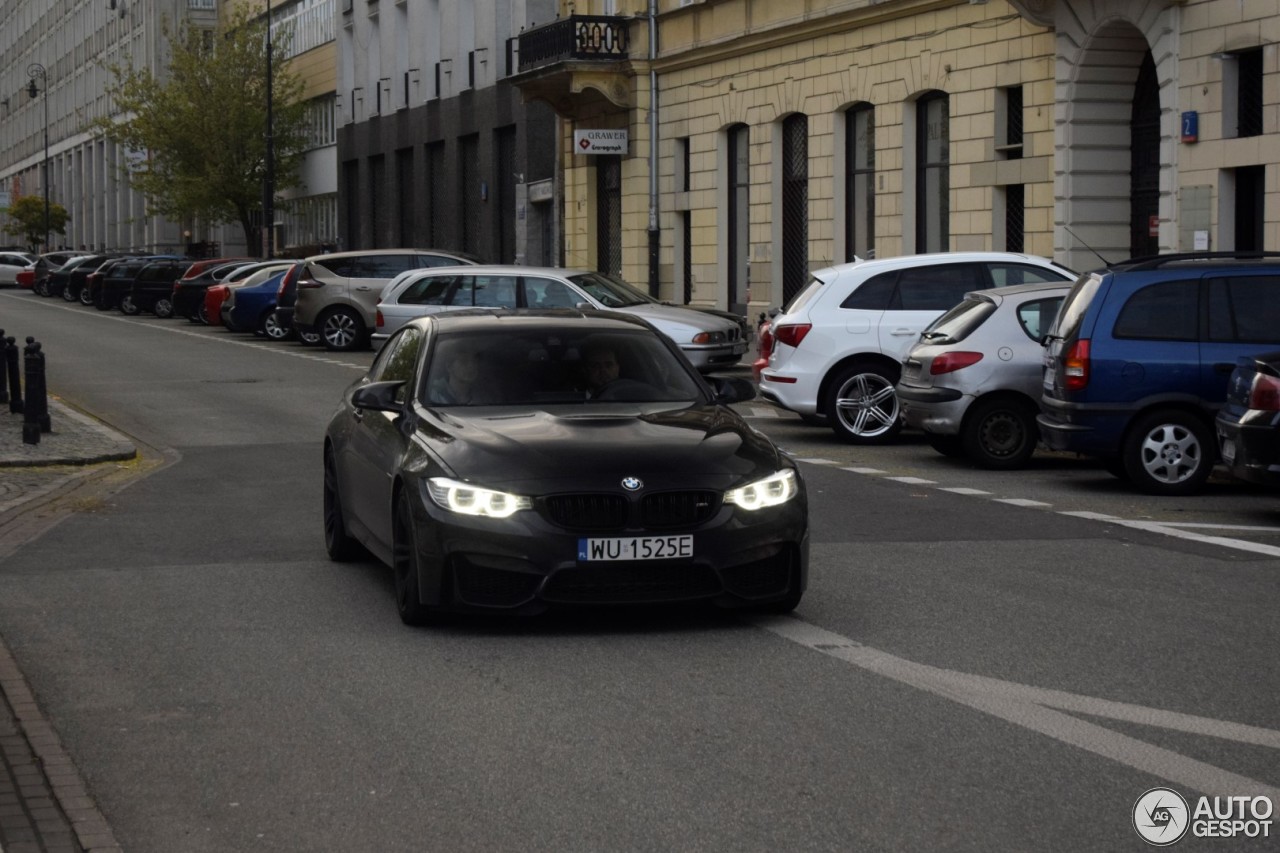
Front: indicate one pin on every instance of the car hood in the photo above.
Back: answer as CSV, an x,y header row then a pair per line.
x,y
595,446
679,324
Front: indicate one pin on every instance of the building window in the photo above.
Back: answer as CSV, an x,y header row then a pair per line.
x,y
609,214
504,139
933,143
860,177
405,195
739,186
1009,122
469,192
1015,218
436,193
377,199
795,205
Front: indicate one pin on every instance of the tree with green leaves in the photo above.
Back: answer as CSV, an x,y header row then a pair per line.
x,y
26,220
202,125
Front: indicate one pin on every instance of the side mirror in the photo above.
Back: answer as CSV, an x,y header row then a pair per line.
x,y
378,397
733,391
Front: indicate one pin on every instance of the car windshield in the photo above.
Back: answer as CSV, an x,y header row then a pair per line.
x,y
555,366
959,322
609,291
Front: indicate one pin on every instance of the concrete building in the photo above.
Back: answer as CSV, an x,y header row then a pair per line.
x,y
767,138
436,148
75,42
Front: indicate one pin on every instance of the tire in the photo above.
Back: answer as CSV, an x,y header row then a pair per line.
x,y
42,287
163,308
309,339
948,445
69,295
128,306
1000,434
339,545
343,330
202,313
404,564
862,405
271,329
1169,452
86,296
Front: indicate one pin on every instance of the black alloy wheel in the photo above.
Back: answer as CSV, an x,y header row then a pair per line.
x,y
338,544
69,295
86,296
163,307
128,306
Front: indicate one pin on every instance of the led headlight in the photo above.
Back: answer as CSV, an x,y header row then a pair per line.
x,y
772,490
473,500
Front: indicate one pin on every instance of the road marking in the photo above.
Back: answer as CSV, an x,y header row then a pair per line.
x,y
266,346
1050,712
1178,533
817,461
1021,502
961,490
913,481
863,470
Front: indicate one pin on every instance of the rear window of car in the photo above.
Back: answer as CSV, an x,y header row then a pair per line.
x,y
959,322
1165,311
386,266
428,290
874,294
1005,274
935,288
1245,309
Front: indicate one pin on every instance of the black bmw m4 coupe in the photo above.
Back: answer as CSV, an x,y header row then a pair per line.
x,y
513,461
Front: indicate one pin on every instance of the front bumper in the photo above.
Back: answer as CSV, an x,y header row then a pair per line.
x,y
707,357
526,564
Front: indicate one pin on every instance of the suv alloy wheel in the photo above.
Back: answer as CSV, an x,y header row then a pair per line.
x,y
862,406
1169,452
342,330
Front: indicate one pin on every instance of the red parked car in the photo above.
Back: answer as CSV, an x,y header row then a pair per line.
x,y
216,294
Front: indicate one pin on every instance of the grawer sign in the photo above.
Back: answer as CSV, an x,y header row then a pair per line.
x,y
600,141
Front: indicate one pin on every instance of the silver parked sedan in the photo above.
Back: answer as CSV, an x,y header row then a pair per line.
x,y
708,340
972,382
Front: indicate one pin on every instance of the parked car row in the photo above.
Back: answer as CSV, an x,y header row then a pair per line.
x,y
1131,364
349,300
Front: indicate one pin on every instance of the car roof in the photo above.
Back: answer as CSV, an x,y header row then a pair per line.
x,y
518,320
360,253
903,261
1010,290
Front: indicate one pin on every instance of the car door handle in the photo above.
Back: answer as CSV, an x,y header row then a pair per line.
x,y
901,332
1220,367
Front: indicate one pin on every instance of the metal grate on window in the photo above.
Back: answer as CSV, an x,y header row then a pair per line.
x,y
609,214
1249,106
1014,218
795,206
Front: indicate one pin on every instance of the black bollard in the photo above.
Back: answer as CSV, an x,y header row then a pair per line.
x,y
30,423
38,377
4,373
11,367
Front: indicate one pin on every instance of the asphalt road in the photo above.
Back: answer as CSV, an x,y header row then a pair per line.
x,y
976,666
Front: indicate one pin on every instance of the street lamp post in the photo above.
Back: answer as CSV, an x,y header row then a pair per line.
x,y
269,174
35,70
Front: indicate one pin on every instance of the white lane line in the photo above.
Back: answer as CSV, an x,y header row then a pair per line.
x,y
1041,711
1021,502
816,461
1177,533
763,412
258,345
913,481
863,470
961,490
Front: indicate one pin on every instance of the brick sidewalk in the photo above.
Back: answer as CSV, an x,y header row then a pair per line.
x,y
44,805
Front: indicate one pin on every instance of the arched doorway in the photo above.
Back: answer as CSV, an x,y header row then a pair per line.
x,y
1144,159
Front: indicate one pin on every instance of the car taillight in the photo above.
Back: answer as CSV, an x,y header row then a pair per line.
x,y
1265,393
377,319
952,361
792,335
285,281
309,284
1075,366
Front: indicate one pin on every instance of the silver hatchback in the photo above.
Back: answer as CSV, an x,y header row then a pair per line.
x,y
972,382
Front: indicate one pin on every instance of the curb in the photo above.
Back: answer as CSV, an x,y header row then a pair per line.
x,y
76,439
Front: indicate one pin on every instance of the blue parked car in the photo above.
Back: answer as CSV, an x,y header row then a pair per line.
x,y
253,307
1138,359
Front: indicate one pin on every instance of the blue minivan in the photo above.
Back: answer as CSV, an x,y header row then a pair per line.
x,y
1137,362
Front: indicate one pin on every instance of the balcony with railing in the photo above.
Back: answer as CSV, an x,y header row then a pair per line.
x,y
574,60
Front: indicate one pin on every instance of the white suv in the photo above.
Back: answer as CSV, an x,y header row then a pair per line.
x,y
839,345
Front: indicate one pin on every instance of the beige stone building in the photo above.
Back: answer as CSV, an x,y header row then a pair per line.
x,y
767,138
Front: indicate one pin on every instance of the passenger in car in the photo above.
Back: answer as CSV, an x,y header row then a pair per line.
x,y
465,382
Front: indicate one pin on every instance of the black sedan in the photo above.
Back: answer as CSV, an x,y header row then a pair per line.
x,y
1249,423
512,461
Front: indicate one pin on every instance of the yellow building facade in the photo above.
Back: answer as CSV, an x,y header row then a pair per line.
x,y
788,135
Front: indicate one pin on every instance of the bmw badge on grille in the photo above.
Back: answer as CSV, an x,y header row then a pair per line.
x,y
631,484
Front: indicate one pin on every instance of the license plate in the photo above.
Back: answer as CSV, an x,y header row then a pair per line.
x,y
635,548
